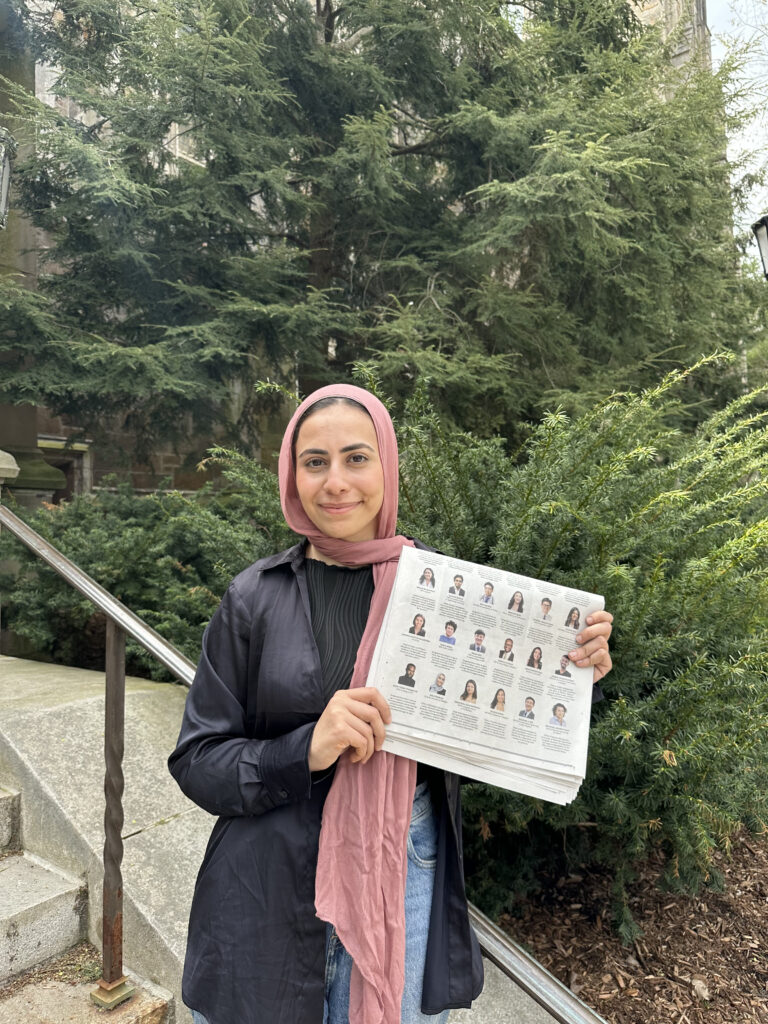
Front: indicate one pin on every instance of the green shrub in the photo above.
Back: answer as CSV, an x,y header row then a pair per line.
x,y
166,556
672,528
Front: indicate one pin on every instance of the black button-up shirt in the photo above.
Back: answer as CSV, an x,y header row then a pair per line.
x,y
256,950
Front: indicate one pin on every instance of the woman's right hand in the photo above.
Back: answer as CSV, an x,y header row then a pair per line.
x,y
353,719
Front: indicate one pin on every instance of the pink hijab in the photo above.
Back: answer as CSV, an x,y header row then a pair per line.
x,y
361,866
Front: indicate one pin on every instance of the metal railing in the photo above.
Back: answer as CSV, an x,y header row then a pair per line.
x,y
113,988
528,974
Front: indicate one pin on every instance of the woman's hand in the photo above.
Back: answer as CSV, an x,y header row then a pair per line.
x,y
352,719
593,641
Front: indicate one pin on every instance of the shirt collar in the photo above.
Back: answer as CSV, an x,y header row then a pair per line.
x,y
291,556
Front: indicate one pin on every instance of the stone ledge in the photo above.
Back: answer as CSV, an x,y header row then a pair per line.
x,y
59,1002
58,990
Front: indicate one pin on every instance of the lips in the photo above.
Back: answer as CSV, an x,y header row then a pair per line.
x,y
336,510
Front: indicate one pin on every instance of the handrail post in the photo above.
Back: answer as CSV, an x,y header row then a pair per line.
x,y
113,987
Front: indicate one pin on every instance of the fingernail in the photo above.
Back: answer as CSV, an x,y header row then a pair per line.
x,y
589,620
579,639
573,655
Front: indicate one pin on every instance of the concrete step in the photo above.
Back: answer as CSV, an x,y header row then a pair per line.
x,y
42,912
501,1002
57,1002
10,821
51,748
58,991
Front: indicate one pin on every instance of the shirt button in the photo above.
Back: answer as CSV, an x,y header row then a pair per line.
x,y
284,794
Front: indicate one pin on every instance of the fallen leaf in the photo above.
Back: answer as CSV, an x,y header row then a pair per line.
x,y
699,986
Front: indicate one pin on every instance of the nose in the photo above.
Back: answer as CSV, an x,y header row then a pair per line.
x,y
336,480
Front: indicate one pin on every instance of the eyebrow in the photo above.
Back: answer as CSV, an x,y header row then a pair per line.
x,y
346,448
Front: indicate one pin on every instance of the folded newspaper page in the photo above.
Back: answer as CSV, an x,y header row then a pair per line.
x,y
474,664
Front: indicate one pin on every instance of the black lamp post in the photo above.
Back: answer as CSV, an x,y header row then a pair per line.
x,y
7,153
760,229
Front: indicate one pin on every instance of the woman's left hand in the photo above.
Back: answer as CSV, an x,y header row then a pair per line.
x,y
593,645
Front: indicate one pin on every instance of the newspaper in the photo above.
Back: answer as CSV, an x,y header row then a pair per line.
x,y
473,662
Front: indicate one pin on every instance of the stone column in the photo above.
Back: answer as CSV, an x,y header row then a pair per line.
x,y
36,480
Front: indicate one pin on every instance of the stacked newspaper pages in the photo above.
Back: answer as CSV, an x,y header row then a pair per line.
x,y
474,664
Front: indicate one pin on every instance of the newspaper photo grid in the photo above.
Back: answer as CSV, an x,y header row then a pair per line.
x,y
474,664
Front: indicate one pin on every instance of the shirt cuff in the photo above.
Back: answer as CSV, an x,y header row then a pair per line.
x,y
283,766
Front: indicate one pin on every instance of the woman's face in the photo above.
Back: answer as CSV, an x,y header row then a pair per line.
x,y
418,623
500,696
427,575
517,597
440,680
470,688
339,476
537,654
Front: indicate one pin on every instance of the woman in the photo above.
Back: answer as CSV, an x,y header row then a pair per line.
x,y
558,715
499,701
516,602
427,579
534,661
573,620
273,741
418,625
470,692
438,686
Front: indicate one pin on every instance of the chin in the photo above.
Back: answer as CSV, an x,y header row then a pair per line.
x,y
340,532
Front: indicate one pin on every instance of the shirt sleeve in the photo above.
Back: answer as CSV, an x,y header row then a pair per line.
x,y
215,763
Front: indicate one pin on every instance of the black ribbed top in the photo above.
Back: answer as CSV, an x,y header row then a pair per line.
x,y
339,600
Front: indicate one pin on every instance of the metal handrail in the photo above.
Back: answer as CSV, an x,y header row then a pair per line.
x,y
176,663
113,987
517,964
526,972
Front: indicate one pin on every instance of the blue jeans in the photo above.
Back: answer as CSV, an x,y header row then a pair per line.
x,y
420,880
422,858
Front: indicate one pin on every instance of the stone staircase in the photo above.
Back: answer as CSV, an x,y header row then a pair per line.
x,y
43,914
42,909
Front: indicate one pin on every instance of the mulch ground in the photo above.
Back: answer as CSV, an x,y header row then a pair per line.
x,y
700,960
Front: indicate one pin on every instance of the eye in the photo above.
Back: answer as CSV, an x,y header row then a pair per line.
x,y
314,463
358,458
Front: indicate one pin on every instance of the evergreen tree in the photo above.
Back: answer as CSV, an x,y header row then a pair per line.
x,y
522,210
